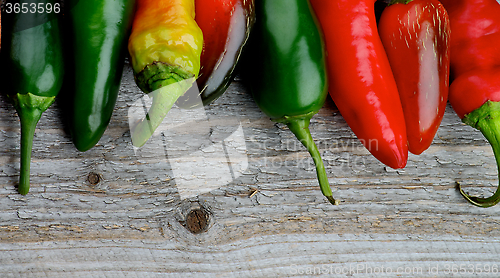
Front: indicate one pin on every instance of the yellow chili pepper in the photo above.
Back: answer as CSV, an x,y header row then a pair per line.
x,y
165,48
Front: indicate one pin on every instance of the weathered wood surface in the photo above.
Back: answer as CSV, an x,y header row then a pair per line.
x,y
118,212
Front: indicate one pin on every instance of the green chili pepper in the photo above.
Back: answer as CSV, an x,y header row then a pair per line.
x,y
98,30
32,63
286,70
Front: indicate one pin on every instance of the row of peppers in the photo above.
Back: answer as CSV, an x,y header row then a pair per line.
x,y
388,74
80,50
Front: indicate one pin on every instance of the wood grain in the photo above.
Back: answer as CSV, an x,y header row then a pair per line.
x,y
268,220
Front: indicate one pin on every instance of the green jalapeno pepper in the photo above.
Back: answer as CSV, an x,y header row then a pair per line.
x,y
33,67
286,70
98,33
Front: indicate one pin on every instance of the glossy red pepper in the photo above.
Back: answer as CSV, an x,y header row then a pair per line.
x,y
475,70
361,81
416,37
476,34
226,26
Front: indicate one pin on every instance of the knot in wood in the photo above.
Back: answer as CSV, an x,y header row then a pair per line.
x,y
93,178
197,221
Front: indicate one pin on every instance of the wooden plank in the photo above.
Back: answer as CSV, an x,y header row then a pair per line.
x,y
115,211
268,256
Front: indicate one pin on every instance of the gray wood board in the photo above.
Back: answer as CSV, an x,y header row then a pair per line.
x,y
266,214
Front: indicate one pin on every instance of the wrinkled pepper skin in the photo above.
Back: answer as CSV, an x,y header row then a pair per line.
x,y
361,81
416,37
475,70
285,68
165,48
98,32
226,26
165,32
32,72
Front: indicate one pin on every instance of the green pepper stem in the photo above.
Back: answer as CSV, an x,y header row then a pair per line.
x,y
299,126
28,126
29,109
487,120
163,100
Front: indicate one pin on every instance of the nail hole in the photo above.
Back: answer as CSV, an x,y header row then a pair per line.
x,y
197,221
93,178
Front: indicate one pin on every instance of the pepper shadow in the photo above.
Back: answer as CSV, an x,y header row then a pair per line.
x,y
10,140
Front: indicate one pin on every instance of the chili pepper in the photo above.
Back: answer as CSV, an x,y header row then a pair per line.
x,y
286,70
165,47
361,81
33,68
415,35
226,25
98,31
475,69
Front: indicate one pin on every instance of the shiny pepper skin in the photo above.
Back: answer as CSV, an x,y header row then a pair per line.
x,y
361,81
97,32
475,55
285,68
416,37
475,72
32,72
226,26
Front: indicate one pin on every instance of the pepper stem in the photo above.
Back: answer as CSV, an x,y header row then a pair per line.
x,y
29,109
299,126
487,120
163,100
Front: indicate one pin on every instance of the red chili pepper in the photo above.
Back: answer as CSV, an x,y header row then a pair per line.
x,y
214,18
361,80
416,37
475,69
226,26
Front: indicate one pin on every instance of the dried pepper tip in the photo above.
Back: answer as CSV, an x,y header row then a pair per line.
x,y
299,126
29,109
487,120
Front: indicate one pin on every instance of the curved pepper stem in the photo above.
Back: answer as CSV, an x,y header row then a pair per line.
x,y
163,99
299,126
487,120
29,109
